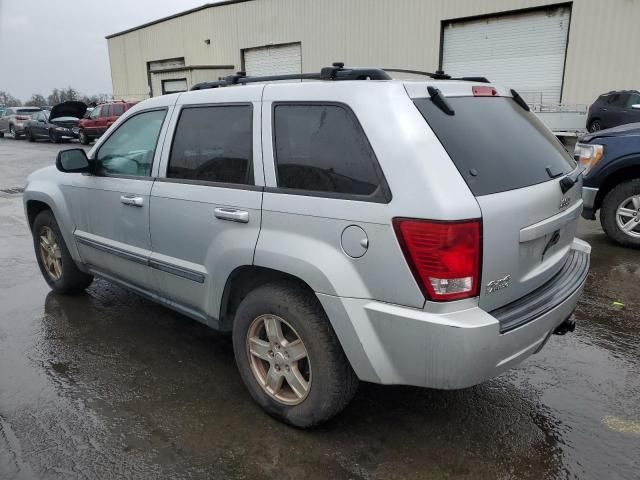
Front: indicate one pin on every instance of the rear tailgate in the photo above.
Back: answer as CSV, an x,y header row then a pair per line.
x,y
513,165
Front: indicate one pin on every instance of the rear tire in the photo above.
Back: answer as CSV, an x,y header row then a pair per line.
x,y
13,134
594,125
618,209
83,138
331,382
56,265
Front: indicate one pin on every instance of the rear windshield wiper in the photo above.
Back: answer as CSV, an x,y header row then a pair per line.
x,y
439,101
569,181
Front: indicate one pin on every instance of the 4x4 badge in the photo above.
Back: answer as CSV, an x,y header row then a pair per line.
x,y
564,203
499,284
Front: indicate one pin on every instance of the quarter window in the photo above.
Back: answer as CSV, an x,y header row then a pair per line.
x,y
130,149
322,148
213,144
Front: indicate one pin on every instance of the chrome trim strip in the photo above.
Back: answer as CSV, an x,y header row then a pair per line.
x,y
550,224
112,250
178,271
162,266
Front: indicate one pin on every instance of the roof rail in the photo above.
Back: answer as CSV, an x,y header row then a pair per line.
x,y
438,75
336,71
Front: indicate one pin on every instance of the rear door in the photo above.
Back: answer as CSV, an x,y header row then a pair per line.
x,y
206,202
513,165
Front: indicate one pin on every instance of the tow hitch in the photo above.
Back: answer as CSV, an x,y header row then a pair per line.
x,y
569,325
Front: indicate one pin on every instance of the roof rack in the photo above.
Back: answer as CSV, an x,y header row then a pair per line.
x,y
335,72
438,75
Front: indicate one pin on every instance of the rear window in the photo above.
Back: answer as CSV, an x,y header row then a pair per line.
x,y
495,144
27,111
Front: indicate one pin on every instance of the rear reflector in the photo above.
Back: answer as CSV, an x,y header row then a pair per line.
x,y
443,256
481,91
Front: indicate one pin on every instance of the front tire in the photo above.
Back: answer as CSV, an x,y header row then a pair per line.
x,y
54,137
56,265
29,135
620,214
289,357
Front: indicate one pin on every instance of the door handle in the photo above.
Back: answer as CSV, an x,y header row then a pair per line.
x,y
232,214
132,200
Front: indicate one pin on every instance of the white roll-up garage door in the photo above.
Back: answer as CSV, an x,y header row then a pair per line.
x,y
273,60
524,51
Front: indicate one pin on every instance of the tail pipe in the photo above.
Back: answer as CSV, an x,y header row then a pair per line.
x,y
569,325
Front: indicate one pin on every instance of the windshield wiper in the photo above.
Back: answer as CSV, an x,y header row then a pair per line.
x,y
569,181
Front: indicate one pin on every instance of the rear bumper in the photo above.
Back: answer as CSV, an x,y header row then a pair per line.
x,y
390,344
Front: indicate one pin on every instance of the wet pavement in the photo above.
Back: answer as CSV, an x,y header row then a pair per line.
x,y
109,385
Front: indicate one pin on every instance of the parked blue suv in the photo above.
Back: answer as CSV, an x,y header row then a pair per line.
x,y
612,181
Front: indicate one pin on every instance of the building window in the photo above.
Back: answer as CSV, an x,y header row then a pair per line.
x,y
174,86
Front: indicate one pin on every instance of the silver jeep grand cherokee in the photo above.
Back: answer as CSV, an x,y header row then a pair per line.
x,y
353,227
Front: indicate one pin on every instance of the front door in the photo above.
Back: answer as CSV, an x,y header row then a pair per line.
x,y
112,225
206,211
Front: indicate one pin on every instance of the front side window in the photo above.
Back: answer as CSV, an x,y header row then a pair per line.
x,y
130,149
95,113
213,144
322,148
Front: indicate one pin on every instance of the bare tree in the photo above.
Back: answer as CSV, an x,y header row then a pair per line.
x,y
9,100
36,100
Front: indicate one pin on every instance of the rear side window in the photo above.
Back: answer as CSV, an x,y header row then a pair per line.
x,y
322,148
213,144
495,144
117,109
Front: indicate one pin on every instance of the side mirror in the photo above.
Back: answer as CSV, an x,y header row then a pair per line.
x,y
636,106
73,160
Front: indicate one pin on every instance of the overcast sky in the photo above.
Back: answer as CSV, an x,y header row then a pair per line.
x,y
46,44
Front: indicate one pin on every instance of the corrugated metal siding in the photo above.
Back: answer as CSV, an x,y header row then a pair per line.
x,y
278,59
525,51
388,33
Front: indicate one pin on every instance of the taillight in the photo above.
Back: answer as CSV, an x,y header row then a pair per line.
x,y
22,117
445,257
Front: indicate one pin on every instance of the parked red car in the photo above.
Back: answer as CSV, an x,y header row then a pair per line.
x,y
100,119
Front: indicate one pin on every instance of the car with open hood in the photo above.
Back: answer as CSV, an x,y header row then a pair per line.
x,y
56,125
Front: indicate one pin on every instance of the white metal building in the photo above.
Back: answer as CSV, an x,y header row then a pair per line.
x,y
550,52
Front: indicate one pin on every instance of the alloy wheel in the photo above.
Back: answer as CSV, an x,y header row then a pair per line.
x,y
50,253
279,359
628,216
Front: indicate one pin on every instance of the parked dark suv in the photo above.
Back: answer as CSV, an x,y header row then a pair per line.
x,y
612,181
100,119
613,109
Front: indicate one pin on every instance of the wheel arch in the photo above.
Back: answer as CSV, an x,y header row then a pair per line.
x,y
616,177
41,195
245,279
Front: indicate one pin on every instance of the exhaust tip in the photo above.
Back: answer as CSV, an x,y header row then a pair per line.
x,y
569,325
